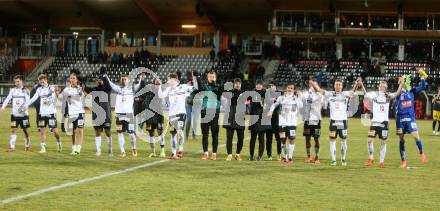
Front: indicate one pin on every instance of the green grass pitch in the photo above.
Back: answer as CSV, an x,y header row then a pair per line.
x,y
191,183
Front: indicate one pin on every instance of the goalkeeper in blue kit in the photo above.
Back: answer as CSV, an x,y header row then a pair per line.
x,y
405,116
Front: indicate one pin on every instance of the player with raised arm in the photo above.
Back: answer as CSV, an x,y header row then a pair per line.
x,y
101,90
258,106
124,111
290,103
47,117
338,101
18,96
379,124
64,108
75,102
272,95
36,103
177,94
232,121
153,103
405,116
211,103
313,102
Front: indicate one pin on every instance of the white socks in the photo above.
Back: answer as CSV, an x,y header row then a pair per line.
x,y
343,149
121,141
109,143
133,140
371,151
152,145
333,149
383,152
182,140
291,150
98,143
12,141
173,144
283,150
161,141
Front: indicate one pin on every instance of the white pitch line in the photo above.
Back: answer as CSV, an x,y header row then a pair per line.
x,y
89,179
70,184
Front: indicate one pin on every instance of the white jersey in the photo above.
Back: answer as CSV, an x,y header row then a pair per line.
x,y
381,105
47,100
288,114
124,98
75,100
312,102
338,104
177,98
20,97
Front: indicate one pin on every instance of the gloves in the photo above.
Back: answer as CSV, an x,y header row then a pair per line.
x,y
423,74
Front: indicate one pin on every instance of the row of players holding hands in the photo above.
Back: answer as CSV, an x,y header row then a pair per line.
x,y
286,108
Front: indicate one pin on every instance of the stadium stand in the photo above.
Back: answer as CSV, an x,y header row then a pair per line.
x,y
162,65
349,70
320,69
299,71
6,63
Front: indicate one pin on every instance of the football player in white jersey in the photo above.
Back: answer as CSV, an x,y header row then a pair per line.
x,y
338,101
75,102
313,102
124,112
380,101
19,116
177,94
47,117
290,104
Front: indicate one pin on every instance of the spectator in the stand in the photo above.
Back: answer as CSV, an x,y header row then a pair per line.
x,y
120,58
246,79
377,70
236,73
144,55
212,55
104,58
136,57
115,58
260,72
90,58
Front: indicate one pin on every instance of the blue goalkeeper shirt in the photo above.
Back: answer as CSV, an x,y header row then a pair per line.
x,y
405,101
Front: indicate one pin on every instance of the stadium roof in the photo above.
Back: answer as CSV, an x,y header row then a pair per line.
x,y
169,15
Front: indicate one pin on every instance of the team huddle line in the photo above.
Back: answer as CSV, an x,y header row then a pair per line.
x,y
272,113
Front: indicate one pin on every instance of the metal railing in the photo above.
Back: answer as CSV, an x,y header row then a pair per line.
x,y
253,48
